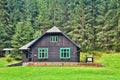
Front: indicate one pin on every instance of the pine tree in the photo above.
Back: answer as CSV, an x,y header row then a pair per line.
x,y
93,24
2,36
3,33
116,42
23,34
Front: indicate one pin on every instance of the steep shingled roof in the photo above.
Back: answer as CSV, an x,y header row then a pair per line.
x,y
52,30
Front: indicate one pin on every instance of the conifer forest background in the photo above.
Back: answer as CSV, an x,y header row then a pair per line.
x,y
92,24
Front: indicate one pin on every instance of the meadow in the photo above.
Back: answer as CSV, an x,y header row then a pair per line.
x,y
110,71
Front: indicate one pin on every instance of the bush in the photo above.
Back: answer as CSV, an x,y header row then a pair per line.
x,y
8,58
82,57
18,58
94,53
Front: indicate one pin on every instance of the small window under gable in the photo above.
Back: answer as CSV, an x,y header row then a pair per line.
x,y
53,39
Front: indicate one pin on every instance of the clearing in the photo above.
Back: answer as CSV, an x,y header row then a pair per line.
x,y
111,71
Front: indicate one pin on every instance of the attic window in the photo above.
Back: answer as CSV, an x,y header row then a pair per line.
x,y
53,39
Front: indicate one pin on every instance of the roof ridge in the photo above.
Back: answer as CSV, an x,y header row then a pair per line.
x,y
54,29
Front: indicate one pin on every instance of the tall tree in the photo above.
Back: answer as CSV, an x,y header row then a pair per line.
x,y
3,33
3,36
23,34
93,24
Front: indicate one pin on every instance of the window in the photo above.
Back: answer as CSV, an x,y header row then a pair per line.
x,y
42,53
64,53
54,39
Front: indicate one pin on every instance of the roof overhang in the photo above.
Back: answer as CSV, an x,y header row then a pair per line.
x,y
8,49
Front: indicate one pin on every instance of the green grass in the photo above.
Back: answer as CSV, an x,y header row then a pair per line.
x,y
111,60
58,73
111,71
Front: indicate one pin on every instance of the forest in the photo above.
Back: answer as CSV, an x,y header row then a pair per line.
x,y
92,24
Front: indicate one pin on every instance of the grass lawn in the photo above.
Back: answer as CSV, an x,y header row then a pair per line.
x,y
111,71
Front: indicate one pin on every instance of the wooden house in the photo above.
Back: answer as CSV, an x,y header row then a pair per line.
x,y
6,50
52,46
1,53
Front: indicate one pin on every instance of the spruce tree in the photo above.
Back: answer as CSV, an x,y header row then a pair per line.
x,y
23,34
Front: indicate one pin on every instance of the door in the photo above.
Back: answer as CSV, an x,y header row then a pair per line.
x,y
30,57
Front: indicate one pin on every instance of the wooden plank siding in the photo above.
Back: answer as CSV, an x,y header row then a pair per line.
x,y
2,53
54,49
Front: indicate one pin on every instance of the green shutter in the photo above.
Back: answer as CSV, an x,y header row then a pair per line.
x,y
38,53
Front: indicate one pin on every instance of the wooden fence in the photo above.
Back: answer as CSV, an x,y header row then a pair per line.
x,y
62,64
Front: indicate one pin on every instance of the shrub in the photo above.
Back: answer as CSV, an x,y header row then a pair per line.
x,y
18,58
97,54
8,58
82,57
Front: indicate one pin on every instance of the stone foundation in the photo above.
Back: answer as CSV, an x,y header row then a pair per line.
x,y
62,64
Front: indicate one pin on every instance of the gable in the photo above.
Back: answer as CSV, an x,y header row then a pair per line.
x,y
46,35
45,40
